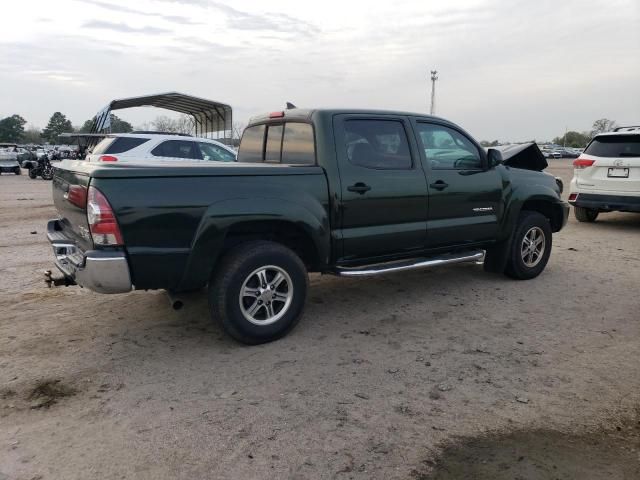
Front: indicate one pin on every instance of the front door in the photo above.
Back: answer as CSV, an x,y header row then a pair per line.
x,y
465,197
383,187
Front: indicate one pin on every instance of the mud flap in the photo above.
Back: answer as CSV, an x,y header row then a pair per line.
x,y
497,256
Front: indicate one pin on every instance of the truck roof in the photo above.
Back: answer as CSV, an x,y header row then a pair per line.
x,y
305,114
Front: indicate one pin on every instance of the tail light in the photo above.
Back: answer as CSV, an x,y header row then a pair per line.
x,y
108,158
77,195
572,197
102,221
582,162
276,115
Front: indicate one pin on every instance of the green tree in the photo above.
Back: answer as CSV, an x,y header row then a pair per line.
x,y
117,125
32,135
602,125
86,126
12,129
573,139
58,124
120,126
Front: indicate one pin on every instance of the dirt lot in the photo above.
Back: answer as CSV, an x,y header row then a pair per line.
x,y
447,373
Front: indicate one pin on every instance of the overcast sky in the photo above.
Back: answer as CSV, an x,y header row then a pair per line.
x,y
508,70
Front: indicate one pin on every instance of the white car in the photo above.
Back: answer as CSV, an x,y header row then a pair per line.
x,y
150,146
606,175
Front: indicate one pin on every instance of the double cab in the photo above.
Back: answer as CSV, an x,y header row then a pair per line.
x,y
345,192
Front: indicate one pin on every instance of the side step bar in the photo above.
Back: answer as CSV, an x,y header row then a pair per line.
x,y
381,268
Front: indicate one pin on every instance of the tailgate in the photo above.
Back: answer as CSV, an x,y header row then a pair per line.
x,y
69,197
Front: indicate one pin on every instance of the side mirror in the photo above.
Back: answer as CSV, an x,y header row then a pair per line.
x,y
494,157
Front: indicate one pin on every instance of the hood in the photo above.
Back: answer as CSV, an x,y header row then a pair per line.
x,y
523,155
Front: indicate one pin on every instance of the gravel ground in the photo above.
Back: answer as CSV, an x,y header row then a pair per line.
x,y
391,377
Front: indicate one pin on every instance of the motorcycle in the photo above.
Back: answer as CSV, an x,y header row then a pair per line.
x,y
41,167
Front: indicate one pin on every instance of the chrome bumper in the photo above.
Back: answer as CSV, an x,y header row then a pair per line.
x,y
97,270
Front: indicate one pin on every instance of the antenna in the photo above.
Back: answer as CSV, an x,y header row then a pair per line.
x,y
434,77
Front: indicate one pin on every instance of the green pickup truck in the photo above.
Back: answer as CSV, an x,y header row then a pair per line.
x,y
346,192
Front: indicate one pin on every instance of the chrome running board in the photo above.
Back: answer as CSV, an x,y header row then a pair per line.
x,y
381,268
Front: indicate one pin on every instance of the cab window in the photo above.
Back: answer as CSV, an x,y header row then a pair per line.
x,y
447,149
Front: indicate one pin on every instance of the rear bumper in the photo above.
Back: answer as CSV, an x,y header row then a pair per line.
x,y
97,270
607,203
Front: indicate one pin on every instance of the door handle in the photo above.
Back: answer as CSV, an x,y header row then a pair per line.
x,y
439,185
359,187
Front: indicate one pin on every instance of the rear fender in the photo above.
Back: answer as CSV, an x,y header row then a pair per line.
x,y
209,240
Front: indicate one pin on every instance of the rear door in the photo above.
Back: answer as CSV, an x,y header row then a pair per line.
x,y
464,196
616,166
383,187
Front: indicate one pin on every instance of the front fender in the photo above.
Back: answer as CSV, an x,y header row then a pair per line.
x,y
306,213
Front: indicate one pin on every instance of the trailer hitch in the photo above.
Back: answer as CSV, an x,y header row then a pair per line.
x,y
57,281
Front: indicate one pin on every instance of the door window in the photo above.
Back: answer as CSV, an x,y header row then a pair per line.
x,y
210,151
447,149
176,149
377,144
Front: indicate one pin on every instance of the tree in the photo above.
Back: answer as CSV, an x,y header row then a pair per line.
x,y
236,133
58,124
182,124
602,125
120,126
117,125
12,129
32,135
86,126
573,139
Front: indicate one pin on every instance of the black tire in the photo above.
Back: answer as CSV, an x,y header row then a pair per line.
x,y
17,171
235,269
585,214
517,268
47,174
32,173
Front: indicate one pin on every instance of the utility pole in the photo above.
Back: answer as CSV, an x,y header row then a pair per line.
x,y
434,77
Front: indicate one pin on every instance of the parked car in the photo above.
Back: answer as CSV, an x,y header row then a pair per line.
x,y
9,159
568,153
606,176
159,147
349,192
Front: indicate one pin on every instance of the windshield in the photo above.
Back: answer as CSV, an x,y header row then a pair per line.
x,y
615,146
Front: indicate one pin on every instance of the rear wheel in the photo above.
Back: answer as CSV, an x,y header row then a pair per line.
x,y
47,173
32,173
585,214
258,292
530,248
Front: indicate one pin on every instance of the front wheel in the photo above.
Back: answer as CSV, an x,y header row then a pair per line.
x,y
530,248
585,214
258,292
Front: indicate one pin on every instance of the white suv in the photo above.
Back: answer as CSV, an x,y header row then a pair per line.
x,y
607,175
159,147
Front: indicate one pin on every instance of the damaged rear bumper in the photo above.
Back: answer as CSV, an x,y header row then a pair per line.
x,y
97,270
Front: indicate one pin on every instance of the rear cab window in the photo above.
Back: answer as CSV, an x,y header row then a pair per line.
x,y
290,143
614,146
